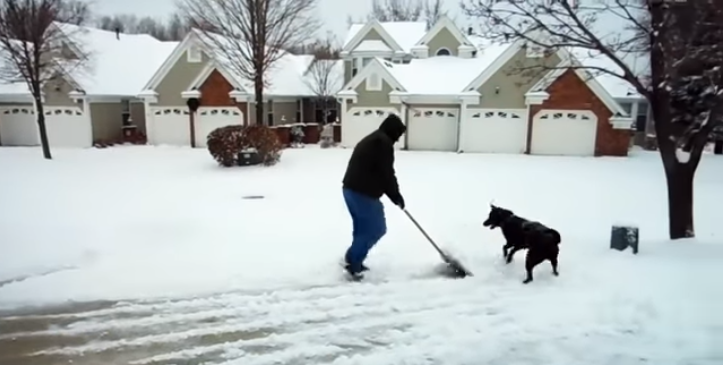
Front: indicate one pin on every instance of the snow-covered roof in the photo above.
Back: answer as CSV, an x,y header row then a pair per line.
x,y
406,34
437,75
445,74
616,86
116,65
286,77
372,46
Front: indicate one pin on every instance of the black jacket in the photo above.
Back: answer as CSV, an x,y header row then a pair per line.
x,y
371,166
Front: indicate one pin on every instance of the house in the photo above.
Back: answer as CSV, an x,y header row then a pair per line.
x,y
93,96
457,92
197,73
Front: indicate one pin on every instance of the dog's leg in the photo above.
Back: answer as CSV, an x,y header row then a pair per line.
x,y
532,260
553,261
506,247
512,253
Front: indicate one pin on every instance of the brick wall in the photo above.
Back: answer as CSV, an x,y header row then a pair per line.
x,y
215,92
569,92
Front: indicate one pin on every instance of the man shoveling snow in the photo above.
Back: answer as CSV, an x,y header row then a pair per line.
x,y
369,175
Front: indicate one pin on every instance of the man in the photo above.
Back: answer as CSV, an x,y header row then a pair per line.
x,y
369,175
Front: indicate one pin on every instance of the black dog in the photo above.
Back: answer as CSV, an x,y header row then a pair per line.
x,y
541,242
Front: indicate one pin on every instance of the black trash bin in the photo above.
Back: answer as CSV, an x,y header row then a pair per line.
x,y
249,157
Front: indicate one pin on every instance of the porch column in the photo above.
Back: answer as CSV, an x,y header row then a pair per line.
x,y
301,111
150,123
460,124
88,119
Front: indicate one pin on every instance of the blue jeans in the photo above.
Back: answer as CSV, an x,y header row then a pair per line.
x,y
369,224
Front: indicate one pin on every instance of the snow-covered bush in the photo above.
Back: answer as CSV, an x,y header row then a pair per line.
x,y
225,144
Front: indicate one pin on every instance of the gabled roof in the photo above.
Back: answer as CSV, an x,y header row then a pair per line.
x,y
284,78
377,65
444,22
591,82
402,35
423,76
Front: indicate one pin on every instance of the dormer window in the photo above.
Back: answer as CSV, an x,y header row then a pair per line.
x,y
443,52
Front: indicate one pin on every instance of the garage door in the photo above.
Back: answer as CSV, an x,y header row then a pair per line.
x,y
18,126
564,132
432,129
169,126
209,119
358,122
494,131
68,127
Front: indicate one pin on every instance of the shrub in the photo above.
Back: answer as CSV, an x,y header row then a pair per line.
x,y
225,143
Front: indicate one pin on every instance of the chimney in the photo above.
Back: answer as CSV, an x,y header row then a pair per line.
x,y
117,33
470,31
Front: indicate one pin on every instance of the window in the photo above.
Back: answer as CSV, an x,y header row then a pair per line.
x,y
443,52
641,120
365,62
298,111
374,82
126,112
356,65
396,60
270,113
194,54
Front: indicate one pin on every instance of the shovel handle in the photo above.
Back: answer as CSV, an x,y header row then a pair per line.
x,y
419,227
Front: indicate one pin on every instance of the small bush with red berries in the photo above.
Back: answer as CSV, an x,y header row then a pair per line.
x,y
227,144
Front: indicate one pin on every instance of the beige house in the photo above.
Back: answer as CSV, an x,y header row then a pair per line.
x,y
95,102
195,74
458,92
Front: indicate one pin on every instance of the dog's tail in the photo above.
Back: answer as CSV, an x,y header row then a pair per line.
x,y
556,236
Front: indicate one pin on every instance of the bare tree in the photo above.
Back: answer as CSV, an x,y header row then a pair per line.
x,y
433,11
397,10
682,42
30,36
250,36
324,75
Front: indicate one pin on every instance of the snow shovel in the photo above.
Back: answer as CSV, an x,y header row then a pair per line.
x,y
454,268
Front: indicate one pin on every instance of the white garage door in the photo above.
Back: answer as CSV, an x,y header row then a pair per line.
x,y
564,132
432,129
209,119
18,126
494,131
68,127
170,126
358,122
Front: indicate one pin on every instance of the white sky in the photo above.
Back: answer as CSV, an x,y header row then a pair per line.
x,y
332,12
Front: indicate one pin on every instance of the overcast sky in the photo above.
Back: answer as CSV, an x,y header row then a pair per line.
x,y
332,12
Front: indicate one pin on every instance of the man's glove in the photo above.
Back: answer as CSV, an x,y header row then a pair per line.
x,y
398,200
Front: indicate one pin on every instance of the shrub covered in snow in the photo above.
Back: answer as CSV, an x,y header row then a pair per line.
x,y
226,143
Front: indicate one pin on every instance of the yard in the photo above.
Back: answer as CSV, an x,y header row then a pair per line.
x,y
152,255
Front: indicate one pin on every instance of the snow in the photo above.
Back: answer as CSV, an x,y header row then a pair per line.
x,y
682,156
372,46
257,281
116,66
444,74
406,34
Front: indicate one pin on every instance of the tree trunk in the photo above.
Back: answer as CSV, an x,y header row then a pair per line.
x,y
680,200
44,143
259,89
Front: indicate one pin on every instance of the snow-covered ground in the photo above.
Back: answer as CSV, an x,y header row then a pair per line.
x,y
140,224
